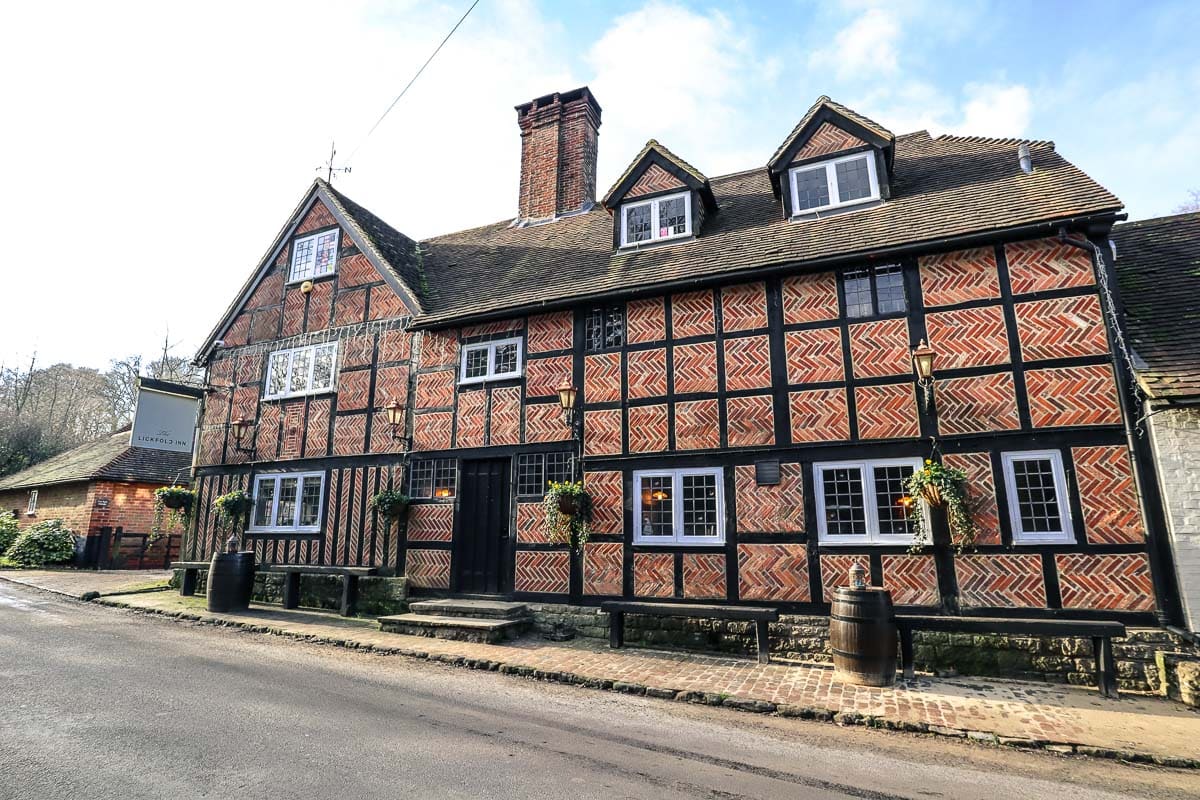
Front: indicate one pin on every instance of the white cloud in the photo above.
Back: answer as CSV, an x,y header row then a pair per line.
x,y
991,109
864,49
996,110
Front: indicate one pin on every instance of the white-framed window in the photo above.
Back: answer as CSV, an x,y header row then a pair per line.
x,y
314,256
1037,497
490,361
659,218
679,506
288,502
864,502
837,182
31,507
301,371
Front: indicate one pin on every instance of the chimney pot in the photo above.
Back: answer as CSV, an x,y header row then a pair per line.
x,y
559,133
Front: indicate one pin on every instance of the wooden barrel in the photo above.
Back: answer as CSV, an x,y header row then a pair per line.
x,y
862,635
230,581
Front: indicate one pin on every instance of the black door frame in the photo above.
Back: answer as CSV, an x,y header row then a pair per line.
x,y
484,510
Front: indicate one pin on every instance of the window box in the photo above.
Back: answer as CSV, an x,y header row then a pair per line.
x,y
656,220
314,256
491,361
861,502
1037,497
838,182
288,502
681,506
301,371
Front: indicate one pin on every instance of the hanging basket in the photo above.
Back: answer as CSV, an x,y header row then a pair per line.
x,y
568,505
176,501
933,496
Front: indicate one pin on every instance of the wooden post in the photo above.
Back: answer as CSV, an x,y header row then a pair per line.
x,y
291,589
349,594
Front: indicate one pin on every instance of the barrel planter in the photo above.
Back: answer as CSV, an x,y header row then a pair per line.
x,y
230,581
862,635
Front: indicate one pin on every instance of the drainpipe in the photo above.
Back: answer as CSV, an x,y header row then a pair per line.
x,y
1162,574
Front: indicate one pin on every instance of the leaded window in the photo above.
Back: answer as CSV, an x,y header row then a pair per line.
x,y
864,502
288,502
486,361
301,370
873,291
837,182
1037,497
684,506
604,328
536,471
314,256
656,219
430,478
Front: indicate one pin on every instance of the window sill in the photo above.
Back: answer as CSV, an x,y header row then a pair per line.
x,y
675,544
864,542
1042,541
314,393
319,278
516,376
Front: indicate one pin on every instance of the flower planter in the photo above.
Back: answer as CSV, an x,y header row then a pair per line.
x,y
176,501
933,496
568,505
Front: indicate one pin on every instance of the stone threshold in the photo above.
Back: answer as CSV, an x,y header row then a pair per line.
x,y
819,714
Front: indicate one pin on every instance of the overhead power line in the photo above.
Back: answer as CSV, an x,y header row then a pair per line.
x,y
411,81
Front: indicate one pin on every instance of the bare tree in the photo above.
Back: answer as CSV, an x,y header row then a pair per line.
x,y
1191,205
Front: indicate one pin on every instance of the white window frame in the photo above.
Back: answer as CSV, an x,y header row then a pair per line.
x,y
678,539
295,527
1066,534
291,357
337,242
491,374
653,203
871,513
31,506
831,182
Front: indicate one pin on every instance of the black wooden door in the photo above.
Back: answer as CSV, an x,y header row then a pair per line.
x,y
482,555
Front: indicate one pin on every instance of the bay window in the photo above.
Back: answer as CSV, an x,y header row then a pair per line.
x,y
681,506
288,502
864,502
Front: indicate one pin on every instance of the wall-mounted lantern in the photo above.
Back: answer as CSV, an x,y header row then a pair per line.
x,y
395,418
923,357
567,395
241,426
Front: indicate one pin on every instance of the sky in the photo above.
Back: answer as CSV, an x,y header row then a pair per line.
x,y
153,150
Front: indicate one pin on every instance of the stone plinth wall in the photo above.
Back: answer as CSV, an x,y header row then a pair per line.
x,y
377,596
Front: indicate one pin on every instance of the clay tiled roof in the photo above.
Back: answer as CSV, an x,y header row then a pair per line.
x,y
1158,265
109,458
946,187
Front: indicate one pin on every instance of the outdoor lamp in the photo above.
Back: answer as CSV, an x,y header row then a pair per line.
x,y
923,357
566,398
395,416
240,426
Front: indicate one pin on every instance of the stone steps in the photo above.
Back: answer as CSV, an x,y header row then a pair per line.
x,y
486,621
474,609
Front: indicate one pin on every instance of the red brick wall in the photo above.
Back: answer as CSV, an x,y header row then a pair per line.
x,y
558,156
70,502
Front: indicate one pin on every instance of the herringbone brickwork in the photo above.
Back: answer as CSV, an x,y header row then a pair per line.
x,y
431,430
697,425
317,217
472,417
269,291
1108,495
543,376
316,440
1118,582
744,307
428,569
646,321
531,527
602,378
648,428
239,331
382,440
827,139
394,345
356,351
819,415
810,298
887,412
912,580
354,390
603,568
383,303
696,368
391,383
491,328
435,389
543,423
968,337
293,429
320,307
266,433
977,404
608,501
704,576
543,572
505,416
249,369
350,434
1000,581
750,421
654,574
653,179
835,572
647,373
264,325
212,441
602,432
356,270
431,522
1072,396
777,508
439,348
959,277
245,402
1041,264
548,332
692,315
814,356
776,572
1064,327
350,307
747,363
880,348
981,494
293,313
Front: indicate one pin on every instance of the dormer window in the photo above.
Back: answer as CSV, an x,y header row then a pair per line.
x,y
834,183
314,256
666,217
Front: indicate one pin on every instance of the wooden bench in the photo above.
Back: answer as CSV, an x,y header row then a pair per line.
x,y
291,583
617,609
187,587
1100,632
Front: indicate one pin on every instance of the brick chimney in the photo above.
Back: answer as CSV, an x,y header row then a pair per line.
x,y
558,154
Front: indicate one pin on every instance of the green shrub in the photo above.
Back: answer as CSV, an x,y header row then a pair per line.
x,y
47,542
8,531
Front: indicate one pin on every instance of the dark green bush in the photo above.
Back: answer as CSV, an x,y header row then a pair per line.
x,y
47,542
8,532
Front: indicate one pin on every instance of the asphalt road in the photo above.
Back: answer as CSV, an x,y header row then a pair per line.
x,y
102,703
